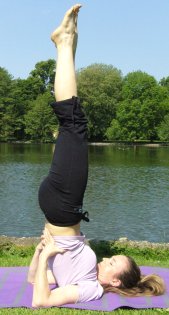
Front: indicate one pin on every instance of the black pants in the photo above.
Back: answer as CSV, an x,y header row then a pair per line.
x,y
61,193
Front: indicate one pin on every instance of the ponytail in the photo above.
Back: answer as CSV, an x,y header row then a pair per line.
x,y
147,286
151,285
135,284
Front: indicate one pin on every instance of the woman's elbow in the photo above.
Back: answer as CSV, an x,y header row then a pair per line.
x,y
34,305
38,303
30,280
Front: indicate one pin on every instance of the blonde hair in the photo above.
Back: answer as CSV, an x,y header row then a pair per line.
x,y
135,284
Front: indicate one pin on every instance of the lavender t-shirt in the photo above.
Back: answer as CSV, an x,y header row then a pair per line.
x,y
76,266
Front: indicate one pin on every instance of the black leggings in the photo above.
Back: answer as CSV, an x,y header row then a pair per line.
x,y
61,192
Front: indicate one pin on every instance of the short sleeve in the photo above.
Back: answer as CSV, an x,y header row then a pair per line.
x,y
89,290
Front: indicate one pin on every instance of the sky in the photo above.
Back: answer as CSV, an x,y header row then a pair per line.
x,y
131,35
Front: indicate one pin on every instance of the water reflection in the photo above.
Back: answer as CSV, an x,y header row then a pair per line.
x,y
127,192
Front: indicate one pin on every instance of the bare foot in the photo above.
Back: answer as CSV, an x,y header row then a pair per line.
x,y
67,31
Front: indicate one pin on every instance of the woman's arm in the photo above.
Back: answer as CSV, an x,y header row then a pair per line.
x,y
34,264
42,295
41,289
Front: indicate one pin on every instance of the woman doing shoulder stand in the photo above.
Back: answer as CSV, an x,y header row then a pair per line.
x,y
62,256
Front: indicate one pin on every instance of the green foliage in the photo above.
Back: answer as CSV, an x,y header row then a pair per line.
x,y
138,85
5,96
133,108
45,72
5,82
16,101
142,255
142,109
165,82
155,254
40,121
99,87
101,248
114,131
13,255
9,249
163,129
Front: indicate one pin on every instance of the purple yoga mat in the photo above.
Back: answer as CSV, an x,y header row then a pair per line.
x,y
16,292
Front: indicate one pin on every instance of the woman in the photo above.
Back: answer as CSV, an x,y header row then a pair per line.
x,y
62,256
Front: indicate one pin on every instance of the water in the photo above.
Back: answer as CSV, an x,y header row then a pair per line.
x,y
127,193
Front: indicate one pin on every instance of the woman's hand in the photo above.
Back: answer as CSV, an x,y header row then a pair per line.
x,y
39,247
48,245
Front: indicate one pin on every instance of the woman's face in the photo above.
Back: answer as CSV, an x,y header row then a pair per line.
x,y
109,270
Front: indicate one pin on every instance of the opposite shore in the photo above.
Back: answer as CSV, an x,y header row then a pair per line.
x,y
101,143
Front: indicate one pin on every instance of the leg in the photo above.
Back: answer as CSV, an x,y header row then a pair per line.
x,y
61,193
65,38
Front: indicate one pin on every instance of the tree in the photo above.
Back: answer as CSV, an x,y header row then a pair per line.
x,y
40,121
144,106
23,92
5,82
5,101
16,97
99,87
165,82
163,129
114,131
138,85
45,72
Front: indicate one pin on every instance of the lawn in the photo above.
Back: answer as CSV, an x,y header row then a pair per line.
x,y
12,255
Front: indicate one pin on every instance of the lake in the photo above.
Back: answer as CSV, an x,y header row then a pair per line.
x,y
127,193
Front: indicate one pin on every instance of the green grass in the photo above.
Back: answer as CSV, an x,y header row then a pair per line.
x,y
60,311
12,255
143,256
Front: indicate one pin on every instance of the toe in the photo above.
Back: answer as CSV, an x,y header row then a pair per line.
x,y
76,8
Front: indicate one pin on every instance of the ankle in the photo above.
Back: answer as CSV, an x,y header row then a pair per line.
x,y
63,40
65,47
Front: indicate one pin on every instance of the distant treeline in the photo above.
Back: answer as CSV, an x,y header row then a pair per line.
x,y
130,108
